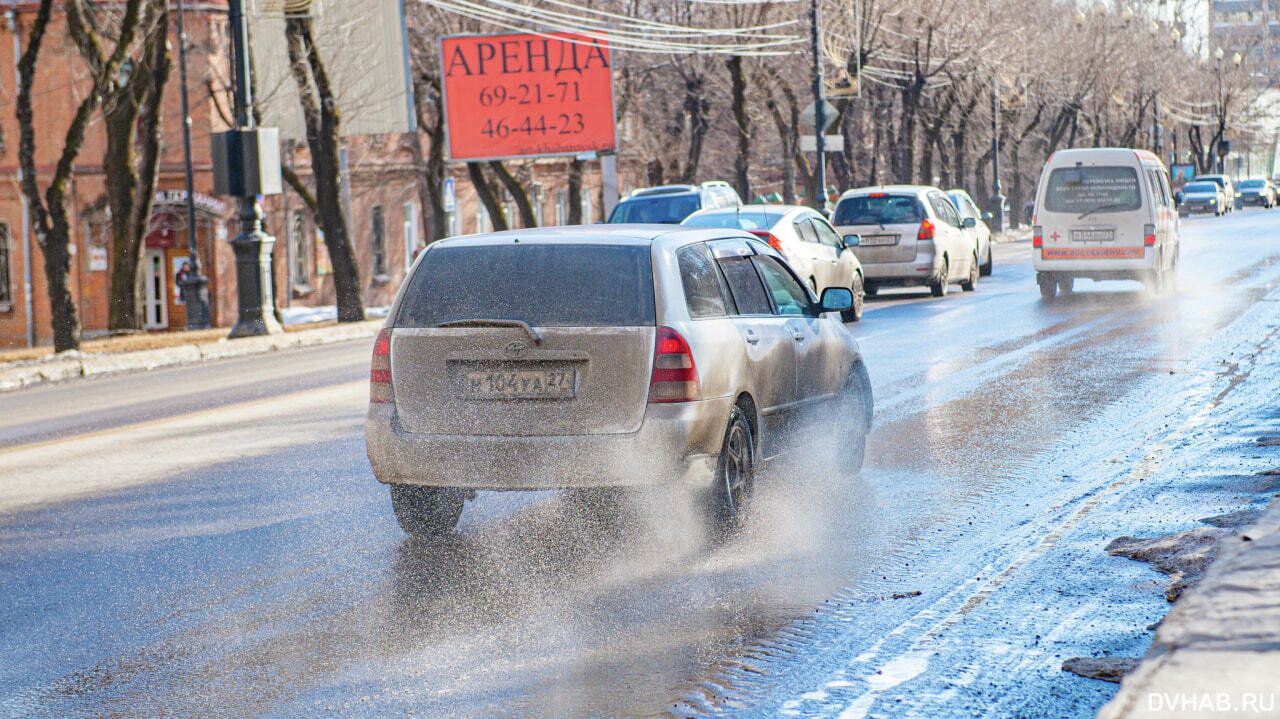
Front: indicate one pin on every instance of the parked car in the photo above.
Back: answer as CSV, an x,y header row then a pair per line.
x,y
1255,191
976,221
587,357
1104,214
1201,197
804,238
1228,191
908,235
669,204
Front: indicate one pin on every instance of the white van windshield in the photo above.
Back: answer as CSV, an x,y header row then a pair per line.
x,y
1087,190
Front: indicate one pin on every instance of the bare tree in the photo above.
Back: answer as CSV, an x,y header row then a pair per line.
x,y
132,105
321,117
51,212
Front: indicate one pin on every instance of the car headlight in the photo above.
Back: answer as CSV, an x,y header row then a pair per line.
x,y
1213,201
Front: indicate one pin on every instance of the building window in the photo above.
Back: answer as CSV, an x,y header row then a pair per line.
x,y
535,198
586,208
410,233
6,279
482,217
562,207
300,241
378,240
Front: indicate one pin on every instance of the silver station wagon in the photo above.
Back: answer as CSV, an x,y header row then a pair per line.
x,y
590,357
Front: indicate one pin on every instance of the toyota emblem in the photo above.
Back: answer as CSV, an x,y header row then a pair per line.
x,y
516,349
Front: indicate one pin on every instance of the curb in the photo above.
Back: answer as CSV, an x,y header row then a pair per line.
x,y
1217,652
73,364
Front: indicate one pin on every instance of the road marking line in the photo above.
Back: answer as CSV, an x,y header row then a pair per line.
x,y
176,417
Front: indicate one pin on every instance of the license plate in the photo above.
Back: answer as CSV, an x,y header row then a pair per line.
x,y
518,384
1093,235
872,240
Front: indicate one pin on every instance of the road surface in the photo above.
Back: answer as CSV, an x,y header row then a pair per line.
x,y
209,541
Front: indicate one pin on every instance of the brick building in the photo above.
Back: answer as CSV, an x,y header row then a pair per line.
x,y
384,202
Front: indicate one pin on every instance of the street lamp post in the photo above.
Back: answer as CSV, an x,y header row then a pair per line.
x,y
252,246
195,287
819,112
1222,111
997,197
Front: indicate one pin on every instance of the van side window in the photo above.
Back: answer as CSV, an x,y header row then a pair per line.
x,y
704,292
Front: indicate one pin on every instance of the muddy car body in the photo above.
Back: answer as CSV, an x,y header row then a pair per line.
x,y
601,357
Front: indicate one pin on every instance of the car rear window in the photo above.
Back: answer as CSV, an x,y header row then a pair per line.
x,y
1200,187
669,209
546,285
736,219
1092,189
879,209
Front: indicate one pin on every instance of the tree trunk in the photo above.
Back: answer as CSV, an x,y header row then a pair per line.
x,y
514,188
742,121
488,196
51,222
696,108
575,191
133,120
320,114
431,165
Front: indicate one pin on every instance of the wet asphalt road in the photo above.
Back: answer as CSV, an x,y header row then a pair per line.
x,y
208,541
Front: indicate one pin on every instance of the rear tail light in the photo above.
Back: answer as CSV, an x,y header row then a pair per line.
x,y
675,379
926,230
771,238
1149,235
380,372
1037,236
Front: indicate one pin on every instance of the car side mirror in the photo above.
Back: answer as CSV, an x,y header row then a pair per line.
x,y
852,240
837,299
987,217
969,223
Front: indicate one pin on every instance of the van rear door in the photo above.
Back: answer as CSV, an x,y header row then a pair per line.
x,y
1094,212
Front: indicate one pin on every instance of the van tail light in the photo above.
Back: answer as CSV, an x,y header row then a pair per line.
x,y
675,379
1037,236
771,238
380,372
926,230
1149,235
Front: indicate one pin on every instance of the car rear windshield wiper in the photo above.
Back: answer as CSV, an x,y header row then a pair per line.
x,y
1100,208
483,322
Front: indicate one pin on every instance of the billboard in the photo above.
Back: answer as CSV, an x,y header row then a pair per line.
x,y
364,49
526,95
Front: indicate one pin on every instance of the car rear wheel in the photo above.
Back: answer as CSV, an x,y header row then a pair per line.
x,y
990,264
1153,280
735,472
1066,285
871,289
855,416
427,511
853,314
1048,286
971,283
938,288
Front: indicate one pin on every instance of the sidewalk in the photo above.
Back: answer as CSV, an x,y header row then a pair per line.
x,y
1217,652
67,365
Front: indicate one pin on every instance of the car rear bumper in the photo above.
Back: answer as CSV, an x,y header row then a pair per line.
x,y
922,270
677,444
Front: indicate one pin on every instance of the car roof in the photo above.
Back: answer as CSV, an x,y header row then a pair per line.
x,y
755,207
1102,154
598,234
906,189
662,190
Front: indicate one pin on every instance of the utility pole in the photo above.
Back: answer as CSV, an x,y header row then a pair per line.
x,y
195,287
819,113
997,199
252,159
